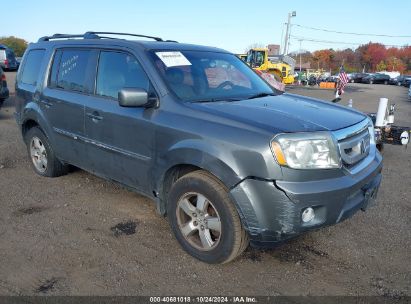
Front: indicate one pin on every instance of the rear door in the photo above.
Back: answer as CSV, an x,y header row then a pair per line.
x,y
63,101
120,140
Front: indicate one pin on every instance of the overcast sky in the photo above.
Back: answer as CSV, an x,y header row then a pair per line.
x,y
231,25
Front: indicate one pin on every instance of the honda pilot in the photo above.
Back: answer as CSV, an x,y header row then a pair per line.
x,y
228,159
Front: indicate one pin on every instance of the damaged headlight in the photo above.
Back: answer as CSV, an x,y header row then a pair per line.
x,y
306,150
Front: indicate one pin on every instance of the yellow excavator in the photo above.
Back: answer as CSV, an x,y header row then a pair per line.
x,y
281,66
243,57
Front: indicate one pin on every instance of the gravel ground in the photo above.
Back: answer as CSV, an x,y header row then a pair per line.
x,y
81,235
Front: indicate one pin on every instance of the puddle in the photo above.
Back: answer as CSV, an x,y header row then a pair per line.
x,y
47,286
127,228
29,210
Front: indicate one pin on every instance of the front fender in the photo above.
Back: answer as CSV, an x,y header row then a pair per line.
x,y
198,153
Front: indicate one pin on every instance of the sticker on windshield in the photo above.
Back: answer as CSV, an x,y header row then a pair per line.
x,y
172,59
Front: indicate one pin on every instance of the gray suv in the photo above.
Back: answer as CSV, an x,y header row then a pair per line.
x,y
227,158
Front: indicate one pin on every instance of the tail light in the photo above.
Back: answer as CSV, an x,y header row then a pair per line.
x,y
6,63
3,77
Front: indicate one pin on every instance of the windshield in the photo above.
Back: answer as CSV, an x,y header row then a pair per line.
x,y
208,76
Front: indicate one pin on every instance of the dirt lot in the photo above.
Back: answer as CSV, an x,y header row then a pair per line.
x,y
58,236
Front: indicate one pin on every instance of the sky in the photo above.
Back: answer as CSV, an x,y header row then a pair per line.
x,y
231,25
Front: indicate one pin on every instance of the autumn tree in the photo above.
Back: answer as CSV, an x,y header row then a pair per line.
x,y
18,45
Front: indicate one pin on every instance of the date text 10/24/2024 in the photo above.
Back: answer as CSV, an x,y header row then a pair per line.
x,y
203,299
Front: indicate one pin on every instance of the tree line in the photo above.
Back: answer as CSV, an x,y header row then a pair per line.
x,y
18,45
371,57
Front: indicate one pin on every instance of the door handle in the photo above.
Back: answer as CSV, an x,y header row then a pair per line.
x,y
95,117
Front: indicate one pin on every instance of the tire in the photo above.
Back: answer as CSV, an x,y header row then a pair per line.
x,y
352,81
386,82
371,81
41,154
187,196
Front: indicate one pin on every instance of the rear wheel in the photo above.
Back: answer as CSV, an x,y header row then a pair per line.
x,y
204,219
43,159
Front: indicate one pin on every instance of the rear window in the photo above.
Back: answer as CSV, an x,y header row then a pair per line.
x,y
72,70
32,66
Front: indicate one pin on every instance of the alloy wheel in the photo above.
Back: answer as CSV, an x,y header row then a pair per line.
x,y
198,221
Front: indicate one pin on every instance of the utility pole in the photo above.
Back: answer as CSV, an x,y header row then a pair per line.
x,y
287,32
300,53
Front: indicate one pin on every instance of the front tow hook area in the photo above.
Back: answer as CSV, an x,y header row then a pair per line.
x,y
371,193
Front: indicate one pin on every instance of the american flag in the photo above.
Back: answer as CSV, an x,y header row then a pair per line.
x,y
343,79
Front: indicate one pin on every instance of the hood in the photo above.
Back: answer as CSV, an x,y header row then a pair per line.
x,y
285,113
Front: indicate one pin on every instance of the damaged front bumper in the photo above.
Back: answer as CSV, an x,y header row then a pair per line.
x,y
271,210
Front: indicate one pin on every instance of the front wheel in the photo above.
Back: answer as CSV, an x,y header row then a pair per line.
x,y
204,219
43,159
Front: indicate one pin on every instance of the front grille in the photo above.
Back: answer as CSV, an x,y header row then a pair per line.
x,y
354,149
354,143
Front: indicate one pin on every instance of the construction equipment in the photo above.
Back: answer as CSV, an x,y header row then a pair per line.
x,y
279,65
243,57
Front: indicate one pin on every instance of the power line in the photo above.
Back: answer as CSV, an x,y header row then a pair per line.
x,y
340,42
348,33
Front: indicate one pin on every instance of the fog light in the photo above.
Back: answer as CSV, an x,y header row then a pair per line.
x,y
308,215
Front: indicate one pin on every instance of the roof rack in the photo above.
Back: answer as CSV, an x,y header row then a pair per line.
x,y
95,35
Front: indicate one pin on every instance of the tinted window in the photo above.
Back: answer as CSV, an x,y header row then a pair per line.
x,y
32,66
10,54
117,71
72,70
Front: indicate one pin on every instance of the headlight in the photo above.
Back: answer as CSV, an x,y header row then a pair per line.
x,y
306,151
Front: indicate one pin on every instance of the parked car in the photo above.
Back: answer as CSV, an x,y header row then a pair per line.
x,y
400,80
18,60
227,158
7,58
409,93
376,78
407,81
4,91
357,77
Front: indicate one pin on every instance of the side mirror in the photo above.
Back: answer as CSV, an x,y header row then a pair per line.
x,y
133,97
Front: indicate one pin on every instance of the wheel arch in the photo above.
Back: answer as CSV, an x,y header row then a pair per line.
x,y
185,160
32,116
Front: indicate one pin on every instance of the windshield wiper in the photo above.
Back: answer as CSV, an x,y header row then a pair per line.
x,y
215,100
261,95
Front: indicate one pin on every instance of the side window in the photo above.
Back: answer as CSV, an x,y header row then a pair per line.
x,y
72,70
119,70
32,67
